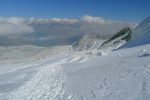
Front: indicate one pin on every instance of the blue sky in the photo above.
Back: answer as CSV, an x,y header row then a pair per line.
x,y
126,10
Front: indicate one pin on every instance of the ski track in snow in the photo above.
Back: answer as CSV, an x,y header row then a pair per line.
x,y
67,79
47,83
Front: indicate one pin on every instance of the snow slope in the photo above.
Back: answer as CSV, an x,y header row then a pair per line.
x,y
93,41
141,34
12,57
66,75
117,40
88,42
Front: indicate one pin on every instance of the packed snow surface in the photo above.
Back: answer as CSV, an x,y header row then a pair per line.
x,y
36,73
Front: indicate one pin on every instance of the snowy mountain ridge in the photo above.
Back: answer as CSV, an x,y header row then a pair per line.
x,y
91,42
141,34
88,42
117,40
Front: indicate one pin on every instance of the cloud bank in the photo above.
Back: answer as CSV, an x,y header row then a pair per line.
x,y
55,30
14,26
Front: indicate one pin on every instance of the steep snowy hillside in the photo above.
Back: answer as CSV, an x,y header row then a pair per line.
x,y
141,34
88,42
66,75
118,39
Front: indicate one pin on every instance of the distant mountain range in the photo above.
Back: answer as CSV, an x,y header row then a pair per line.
x,y
122,39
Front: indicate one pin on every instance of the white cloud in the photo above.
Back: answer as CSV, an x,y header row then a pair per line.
x,y
52,20
15,20
14,29
57,29
13,26
91,19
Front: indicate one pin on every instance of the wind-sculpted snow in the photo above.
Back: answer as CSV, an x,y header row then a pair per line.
x,y
47,84
88,75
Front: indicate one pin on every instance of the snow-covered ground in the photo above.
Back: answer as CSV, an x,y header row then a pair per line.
x,y
39,73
